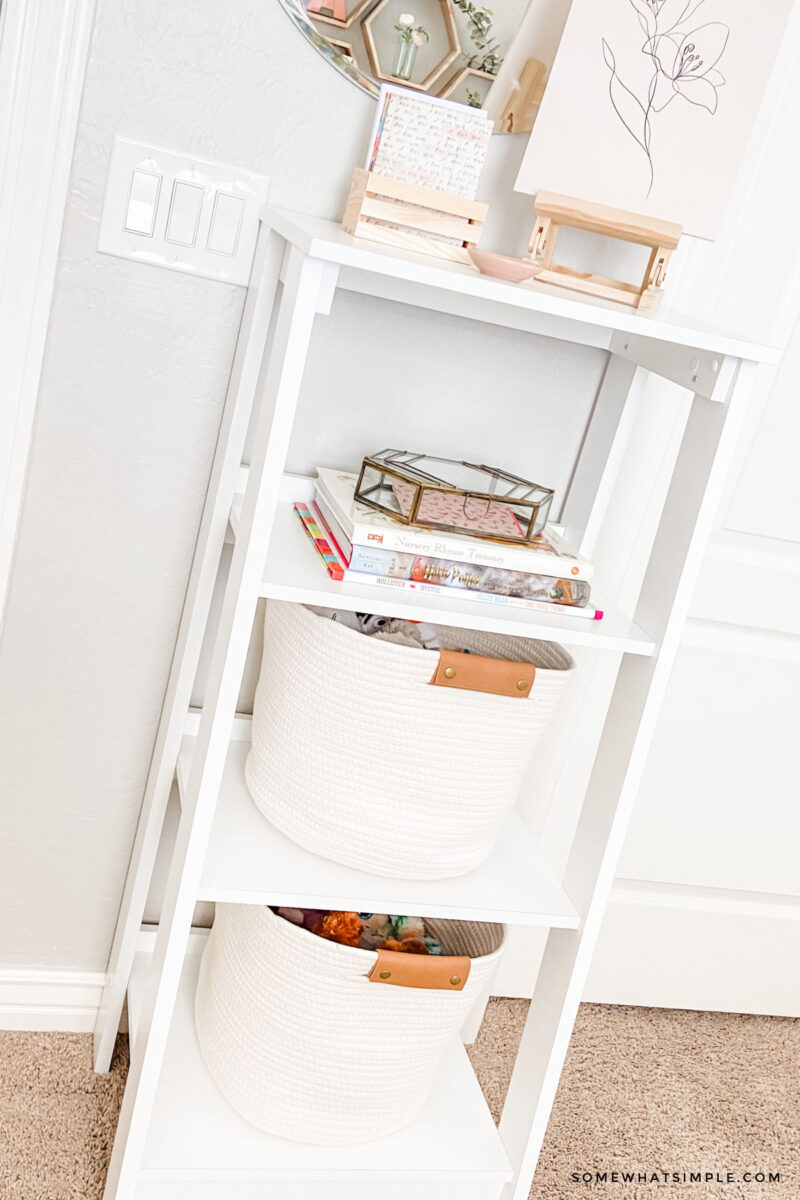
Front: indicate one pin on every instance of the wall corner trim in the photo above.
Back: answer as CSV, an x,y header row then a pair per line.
x,y
44,49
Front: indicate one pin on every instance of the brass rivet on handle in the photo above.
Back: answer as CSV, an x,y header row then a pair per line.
x,y
455,980
522,685
449,672
386,974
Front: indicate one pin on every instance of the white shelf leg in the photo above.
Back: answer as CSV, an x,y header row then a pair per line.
x,y
273,428
230,443
694,496
601,453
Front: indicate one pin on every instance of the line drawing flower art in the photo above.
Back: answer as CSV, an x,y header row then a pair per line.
x,y
684,53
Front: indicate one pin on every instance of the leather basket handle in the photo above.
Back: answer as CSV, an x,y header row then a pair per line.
x,y
473,673
436,972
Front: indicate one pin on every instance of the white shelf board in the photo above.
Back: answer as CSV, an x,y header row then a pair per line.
x,y
250,862
326,240
294,572
196,1136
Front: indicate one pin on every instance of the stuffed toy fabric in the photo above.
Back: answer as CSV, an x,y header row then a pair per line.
x,y
369,931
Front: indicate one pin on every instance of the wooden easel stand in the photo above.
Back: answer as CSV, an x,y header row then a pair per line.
x,y
554,211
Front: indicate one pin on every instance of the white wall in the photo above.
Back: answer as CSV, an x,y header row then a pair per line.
x,y
135,373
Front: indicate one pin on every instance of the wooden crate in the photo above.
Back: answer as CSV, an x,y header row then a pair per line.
x,y
412,218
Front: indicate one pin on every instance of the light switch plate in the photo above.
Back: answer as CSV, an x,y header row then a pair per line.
x,y
204,217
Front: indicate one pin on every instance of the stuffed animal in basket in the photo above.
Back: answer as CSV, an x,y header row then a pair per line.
x,y
369,931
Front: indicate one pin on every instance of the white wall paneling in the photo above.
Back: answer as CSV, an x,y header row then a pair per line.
x,y
669,946
716,803
705,912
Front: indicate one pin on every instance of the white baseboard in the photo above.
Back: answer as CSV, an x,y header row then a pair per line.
x,y
50,1001
675,946
672,946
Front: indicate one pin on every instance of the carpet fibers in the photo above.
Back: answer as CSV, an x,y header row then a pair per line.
x,y
644,1091
57,1118
651,1090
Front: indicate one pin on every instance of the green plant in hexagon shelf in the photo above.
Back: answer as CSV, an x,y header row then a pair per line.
x,y
488,57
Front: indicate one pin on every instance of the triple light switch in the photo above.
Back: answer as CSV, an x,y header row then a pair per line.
x,y
168,209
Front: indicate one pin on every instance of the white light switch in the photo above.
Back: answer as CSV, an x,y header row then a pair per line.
x,y
164,208
184,213
140,215
226,221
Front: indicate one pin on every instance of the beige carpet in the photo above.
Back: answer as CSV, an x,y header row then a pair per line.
x,y
643,1090
57,1117
650,1090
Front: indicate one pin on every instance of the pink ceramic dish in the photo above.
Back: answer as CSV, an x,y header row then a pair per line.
x,y
503,266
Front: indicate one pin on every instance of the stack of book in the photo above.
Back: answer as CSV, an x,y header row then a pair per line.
x,y
358,544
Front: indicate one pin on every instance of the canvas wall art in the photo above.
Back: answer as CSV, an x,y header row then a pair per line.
x,y
650,105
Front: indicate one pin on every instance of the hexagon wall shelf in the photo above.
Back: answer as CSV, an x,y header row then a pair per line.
x,y
454,50
345,49
462,76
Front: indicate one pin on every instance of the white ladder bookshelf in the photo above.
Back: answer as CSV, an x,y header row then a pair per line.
x,y
177,1137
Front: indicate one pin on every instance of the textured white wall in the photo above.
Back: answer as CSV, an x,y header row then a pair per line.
x,y
136,368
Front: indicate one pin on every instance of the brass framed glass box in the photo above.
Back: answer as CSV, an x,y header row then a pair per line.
x,y
460,497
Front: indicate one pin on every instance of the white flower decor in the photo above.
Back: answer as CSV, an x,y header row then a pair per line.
x,y
410,33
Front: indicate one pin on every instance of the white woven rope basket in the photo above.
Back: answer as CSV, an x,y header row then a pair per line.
x,y
302,1044
358,758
